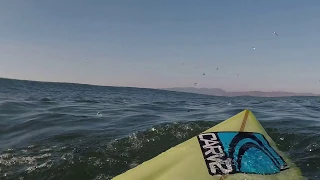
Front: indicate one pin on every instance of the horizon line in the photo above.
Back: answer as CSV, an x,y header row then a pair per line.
x,y
165,88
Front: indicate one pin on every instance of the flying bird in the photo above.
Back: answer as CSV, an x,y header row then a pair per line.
x,y
253,48
204,74
275,33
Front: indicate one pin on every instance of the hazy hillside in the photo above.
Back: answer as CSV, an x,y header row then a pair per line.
x,y
221,92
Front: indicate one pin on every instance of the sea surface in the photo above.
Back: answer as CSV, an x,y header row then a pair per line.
x,y
60,131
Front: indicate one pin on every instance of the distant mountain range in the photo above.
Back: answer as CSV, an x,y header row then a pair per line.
x,y
221,92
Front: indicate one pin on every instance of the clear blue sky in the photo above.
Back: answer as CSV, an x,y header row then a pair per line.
x,y
144,43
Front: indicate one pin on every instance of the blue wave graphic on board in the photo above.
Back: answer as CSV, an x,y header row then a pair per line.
x,y
248,152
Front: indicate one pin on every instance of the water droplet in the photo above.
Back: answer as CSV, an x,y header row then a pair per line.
x,y
24,150
9,150
312,147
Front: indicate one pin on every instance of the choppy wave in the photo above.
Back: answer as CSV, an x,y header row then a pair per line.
x,y
54,130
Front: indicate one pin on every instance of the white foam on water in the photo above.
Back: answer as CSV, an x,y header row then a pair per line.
x,y
46,164
45,150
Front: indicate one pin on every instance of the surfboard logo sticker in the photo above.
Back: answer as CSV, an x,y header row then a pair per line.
x,y
239,152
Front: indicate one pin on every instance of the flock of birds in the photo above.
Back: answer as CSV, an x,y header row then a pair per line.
x,y
204,75
195,84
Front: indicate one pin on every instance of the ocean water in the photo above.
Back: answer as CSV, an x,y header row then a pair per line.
x,y
59,131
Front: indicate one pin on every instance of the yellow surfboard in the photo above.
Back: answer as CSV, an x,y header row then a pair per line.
x,y
237,148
